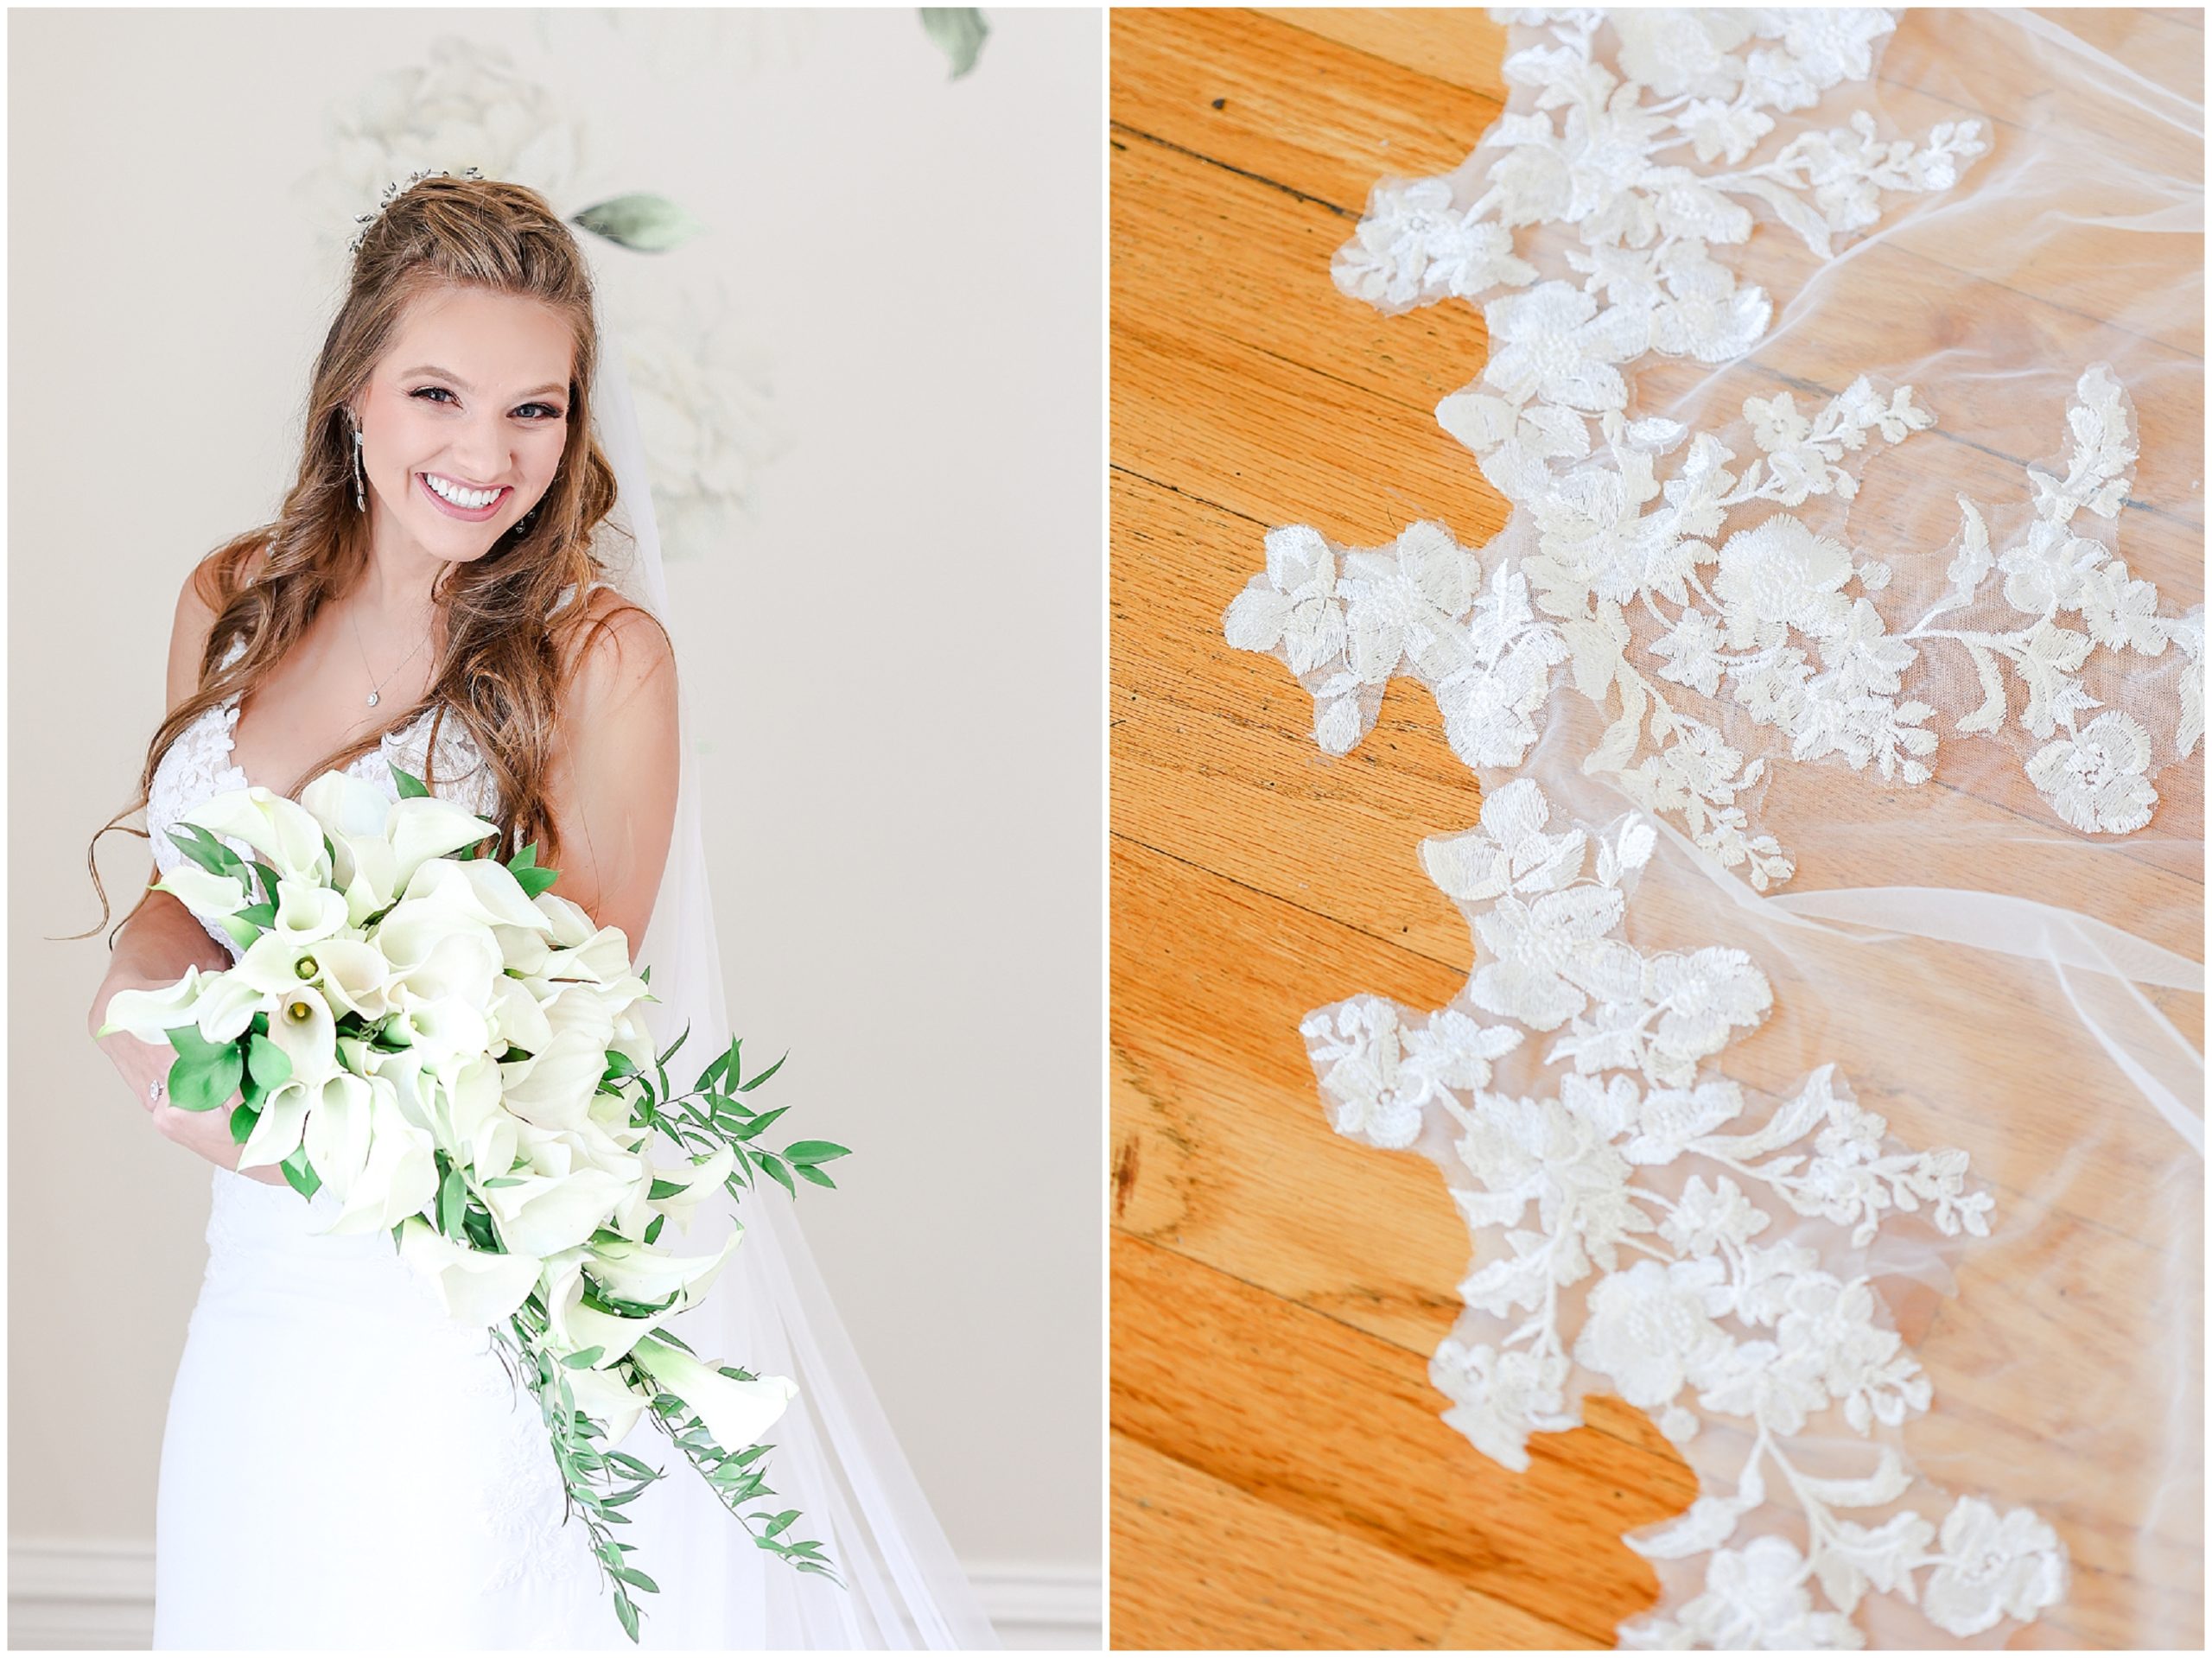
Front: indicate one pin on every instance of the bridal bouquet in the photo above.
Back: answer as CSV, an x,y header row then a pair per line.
x,y
453,1054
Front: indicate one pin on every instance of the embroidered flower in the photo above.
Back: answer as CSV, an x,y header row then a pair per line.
x,y
2044,573
1781,574
1648,1329
1546,952
1704,1218
1669,1119
1296,607
2095,780
1452,1052
1414,246
1992,1569
1362,1046
1553,343
1756,1599
1498,1397
1515,442
1508,851
1673,52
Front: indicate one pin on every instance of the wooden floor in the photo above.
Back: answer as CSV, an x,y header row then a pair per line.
x,y
1280,1475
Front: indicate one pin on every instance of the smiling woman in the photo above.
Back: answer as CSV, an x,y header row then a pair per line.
x,y
440,547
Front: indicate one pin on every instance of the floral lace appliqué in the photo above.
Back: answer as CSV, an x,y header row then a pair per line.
x,y
1647,1220
1670,572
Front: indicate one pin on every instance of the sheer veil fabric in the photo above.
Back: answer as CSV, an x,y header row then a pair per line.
x,y
1828,1081
836,1458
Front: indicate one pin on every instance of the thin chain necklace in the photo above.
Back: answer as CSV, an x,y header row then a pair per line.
x,y
375,685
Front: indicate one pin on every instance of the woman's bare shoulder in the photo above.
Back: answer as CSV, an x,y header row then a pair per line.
x,y
207,589
619,648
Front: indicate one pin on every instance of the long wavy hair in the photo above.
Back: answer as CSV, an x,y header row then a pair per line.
x,y
507,656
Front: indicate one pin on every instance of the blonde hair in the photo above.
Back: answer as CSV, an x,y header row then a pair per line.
x,y
507,656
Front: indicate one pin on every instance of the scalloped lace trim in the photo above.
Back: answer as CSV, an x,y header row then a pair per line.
x,y
1618,1218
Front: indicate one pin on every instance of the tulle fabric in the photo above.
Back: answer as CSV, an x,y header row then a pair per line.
x,y
836,1458
1984,975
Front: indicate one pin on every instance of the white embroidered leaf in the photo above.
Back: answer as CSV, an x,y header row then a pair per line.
x,y
1886,1484
1991,714
1707,1523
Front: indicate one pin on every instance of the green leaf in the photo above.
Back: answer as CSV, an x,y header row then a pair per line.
x,y
268,879
635,1578
270,1065
411,787
242,1121
959,32
816,1150
663,1190
453,1200
680,1037
204,849
755,1125
626,1611
653,1227
776,1171
808,1172
747,1088
301,1175
584,1358
505,1180
201,1083
641,222
263,915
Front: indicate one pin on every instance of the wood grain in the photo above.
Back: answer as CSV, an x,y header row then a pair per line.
x,y
1281,1478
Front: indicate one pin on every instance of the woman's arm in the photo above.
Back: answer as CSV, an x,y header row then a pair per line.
x,y
160,939
612,787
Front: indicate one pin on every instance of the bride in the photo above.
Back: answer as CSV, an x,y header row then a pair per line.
x,y
343,1466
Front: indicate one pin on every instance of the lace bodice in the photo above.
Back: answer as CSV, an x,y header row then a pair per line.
x,y
199,766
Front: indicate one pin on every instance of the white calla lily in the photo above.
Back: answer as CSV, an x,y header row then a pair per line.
x,y
571,925
609,1401
518,1017
347,807
604,958
282,831
640,1273
526,950
400,1177
275,1133
301,1024
478,1287
150,1015
212,896
425,826
698,1180
306,914
481,888
542,1213
735,1413
553,1090
576,1327
337,1131
228,1005
352,974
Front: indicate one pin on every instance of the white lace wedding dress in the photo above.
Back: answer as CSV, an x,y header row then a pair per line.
x,y
343,1466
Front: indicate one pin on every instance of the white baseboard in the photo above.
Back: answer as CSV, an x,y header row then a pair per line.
x,y
76,1596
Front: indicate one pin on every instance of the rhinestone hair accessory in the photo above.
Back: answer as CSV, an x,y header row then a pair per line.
x,y
393,191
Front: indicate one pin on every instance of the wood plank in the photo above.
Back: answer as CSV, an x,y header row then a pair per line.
x,y
1200,1564
1341,1429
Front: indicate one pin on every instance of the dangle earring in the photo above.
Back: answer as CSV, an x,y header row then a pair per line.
x,y
360,475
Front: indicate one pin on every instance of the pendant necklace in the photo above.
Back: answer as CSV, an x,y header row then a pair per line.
x,y
375,685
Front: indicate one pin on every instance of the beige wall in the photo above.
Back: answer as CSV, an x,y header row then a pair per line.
x,y
903,799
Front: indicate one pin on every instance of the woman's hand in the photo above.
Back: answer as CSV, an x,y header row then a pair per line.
x,y
207,1133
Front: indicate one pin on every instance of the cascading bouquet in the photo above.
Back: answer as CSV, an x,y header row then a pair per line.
x,y
453,1052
